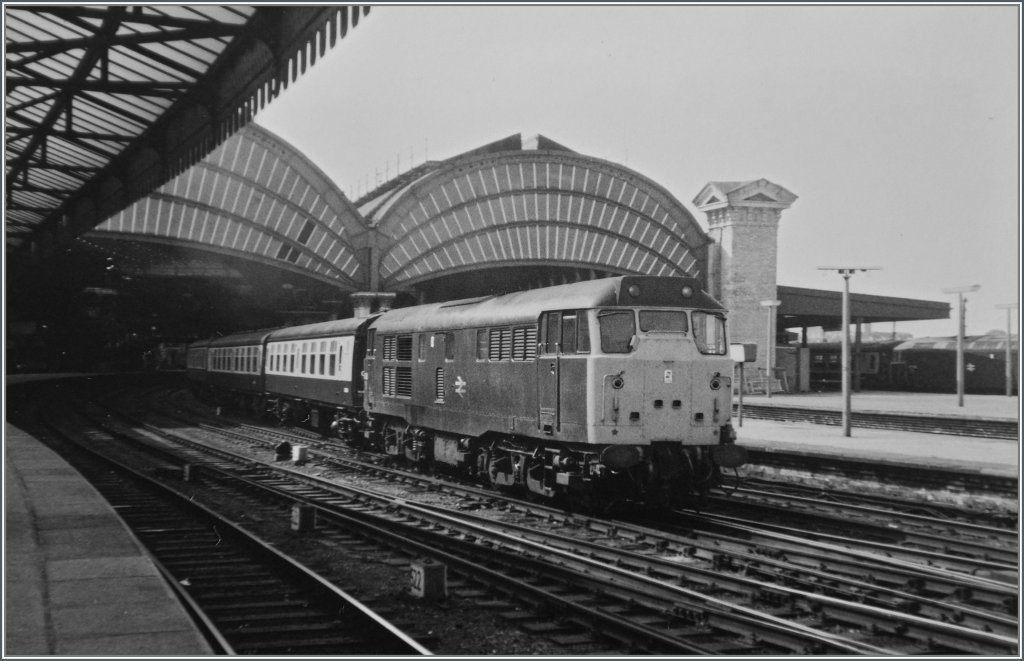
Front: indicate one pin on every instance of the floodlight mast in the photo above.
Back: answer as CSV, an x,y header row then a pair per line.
x,y
846,272
1009,307
961,324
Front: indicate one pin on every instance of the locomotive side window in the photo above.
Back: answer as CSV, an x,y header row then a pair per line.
x,y
482,343
551,323
583,333
449,345
709,333
568,344
617,330
564,332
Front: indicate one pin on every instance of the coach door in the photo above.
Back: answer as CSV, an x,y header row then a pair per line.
x,y
548,372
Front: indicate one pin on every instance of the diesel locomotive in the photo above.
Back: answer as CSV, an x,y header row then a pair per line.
x,y
608,391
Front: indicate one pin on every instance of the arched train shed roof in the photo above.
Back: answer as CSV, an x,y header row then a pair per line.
x,y
257,197
530,202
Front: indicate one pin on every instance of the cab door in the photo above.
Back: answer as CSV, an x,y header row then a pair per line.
x,y
548,373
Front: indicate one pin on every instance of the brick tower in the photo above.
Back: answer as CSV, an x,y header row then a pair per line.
x,y
743,221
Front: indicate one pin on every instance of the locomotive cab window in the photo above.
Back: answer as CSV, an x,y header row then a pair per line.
x,y
663,321
618,327
709,333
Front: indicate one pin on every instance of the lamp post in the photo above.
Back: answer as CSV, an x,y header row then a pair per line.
x,y
960,291
769,357
1009,346
846,272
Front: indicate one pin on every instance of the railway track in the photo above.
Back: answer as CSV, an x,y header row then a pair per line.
x,y
928,600
928,424
700,592
248,597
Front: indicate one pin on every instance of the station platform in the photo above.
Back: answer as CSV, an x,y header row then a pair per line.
x,y
985,455
76,581
994,407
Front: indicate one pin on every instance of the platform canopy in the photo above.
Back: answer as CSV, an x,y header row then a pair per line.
x,y
104,103
810,308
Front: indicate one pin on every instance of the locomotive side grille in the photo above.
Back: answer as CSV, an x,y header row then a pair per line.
x,y
439,385
403,382
396,381
404,347
524,343
501,344
389,348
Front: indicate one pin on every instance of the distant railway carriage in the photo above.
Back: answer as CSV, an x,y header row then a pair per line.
x,y
196,368
609,390
919,365
930,363
313,372
234,366
877,369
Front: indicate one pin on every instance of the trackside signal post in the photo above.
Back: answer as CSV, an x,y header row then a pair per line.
x,y
846,272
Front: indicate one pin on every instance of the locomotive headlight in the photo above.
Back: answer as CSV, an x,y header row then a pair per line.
x,y
687,291
618,382
716,383
634,291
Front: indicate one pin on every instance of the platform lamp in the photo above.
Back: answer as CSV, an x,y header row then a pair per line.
x,y
1009,345
846,272
962,303
769,351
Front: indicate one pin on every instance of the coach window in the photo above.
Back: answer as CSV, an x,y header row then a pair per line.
x,y
336,362
291,358
323,357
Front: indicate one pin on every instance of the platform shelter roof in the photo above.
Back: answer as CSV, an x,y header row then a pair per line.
x,y
809,308
104,104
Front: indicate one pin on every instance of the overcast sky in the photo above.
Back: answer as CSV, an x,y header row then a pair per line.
x,y
897,126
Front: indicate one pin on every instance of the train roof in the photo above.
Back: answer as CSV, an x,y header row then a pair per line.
x,y
247,338
526,306
983,343
321,329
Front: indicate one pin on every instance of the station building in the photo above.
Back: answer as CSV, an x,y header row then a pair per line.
x,y
271,228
